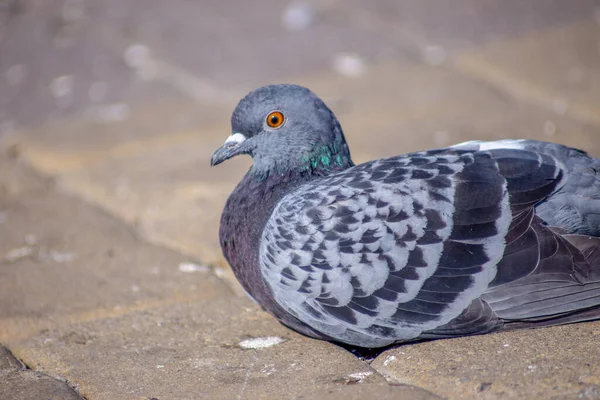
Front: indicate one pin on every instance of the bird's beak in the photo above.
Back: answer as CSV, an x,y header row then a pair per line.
x,y
232,147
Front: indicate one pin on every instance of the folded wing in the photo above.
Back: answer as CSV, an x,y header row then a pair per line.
x,y
390,249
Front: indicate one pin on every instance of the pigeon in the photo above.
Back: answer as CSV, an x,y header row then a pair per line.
x,y
474,238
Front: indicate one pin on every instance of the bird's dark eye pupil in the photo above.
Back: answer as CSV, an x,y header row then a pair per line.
x,y
274,119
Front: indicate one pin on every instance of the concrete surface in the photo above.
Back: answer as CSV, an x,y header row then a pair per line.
x,y
537,363
111,279
20,383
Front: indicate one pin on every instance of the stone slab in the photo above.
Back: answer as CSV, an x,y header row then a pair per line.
x,y
558,69
92,305
19,383
64,145
557,362
466,24
8,362
218,349
27,385
62,260
16,179
372,391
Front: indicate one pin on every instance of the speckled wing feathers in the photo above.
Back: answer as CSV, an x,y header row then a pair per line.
x,y
388,249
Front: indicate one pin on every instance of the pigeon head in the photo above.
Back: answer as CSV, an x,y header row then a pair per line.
x,y
285,127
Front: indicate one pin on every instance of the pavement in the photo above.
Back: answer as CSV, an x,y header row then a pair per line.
x,y
112,284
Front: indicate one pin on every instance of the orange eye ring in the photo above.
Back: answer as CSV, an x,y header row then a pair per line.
x,y
275,119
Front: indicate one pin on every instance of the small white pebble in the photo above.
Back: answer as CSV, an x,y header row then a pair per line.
x,y
62,86
160,366
506,345
16,74
261,342
61,257
135,288
18,253
349,65
359,376
268,369
219,272
434,55
389,360
297,16
191,267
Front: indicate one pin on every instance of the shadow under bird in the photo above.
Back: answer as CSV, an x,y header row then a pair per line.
x,y
469,239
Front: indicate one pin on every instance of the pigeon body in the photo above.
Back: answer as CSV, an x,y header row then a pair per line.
x,y
477,237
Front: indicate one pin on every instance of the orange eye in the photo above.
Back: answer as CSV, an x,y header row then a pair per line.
x,y
275,119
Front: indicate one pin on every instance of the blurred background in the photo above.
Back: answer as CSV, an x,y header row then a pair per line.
x,y
111,276
123,101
